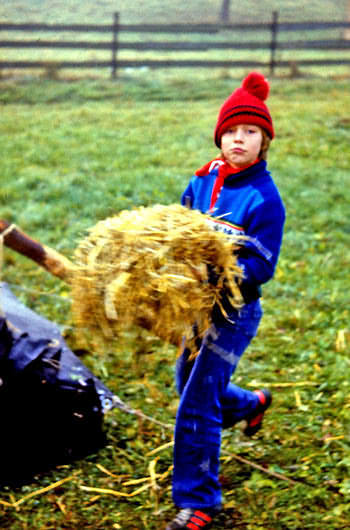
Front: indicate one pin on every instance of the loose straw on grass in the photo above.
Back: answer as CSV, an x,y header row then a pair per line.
x,y
40,491
283,385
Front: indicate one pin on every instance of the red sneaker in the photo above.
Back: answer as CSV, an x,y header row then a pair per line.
x,y
255,418
190,519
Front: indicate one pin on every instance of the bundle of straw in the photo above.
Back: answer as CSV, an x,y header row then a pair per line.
x,y
148,267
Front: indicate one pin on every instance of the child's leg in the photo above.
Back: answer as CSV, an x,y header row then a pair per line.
x,y
183,365
183,370
237,404
199,417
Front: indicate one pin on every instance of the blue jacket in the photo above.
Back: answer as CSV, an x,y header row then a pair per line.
x,y
249,204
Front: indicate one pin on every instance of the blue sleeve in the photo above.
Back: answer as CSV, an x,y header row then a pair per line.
x,y
188,196
264,229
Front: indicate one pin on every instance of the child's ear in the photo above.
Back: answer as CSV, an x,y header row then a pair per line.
x,y
265,144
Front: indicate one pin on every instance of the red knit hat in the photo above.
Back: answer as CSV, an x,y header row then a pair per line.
x,y
246,105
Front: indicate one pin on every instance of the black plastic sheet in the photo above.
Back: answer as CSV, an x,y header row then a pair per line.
x,y
51,405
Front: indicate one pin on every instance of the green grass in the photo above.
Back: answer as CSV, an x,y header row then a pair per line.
x,y
196,10
109,146
139,12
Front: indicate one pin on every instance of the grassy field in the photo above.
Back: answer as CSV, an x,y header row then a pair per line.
x,y
154,11
140,11
110,146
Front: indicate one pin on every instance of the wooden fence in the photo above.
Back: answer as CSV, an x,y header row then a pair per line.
x,y
271,44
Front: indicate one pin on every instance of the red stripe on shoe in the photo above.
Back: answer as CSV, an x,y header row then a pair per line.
x,y
256,420
198,522
203,516
261,396
192,526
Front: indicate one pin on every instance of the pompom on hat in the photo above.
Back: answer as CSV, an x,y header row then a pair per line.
x,y
246,105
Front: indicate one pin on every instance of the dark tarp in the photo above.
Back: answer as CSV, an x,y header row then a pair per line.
x,y
51,405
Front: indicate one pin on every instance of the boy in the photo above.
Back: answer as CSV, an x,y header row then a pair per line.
x,y
240,197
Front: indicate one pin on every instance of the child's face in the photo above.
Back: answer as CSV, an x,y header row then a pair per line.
x,y
241,144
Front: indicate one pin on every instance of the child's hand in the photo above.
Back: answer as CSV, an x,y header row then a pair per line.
x,y
213,275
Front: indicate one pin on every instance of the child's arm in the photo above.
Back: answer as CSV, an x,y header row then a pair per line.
x,y
188,196
264,229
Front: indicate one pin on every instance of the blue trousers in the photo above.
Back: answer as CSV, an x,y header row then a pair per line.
x,y
207,402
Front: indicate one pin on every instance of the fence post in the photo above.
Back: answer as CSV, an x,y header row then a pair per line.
x,y
225,11
273,45
115,45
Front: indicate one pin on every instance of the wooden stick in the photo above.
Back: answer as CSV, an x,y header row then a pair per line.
x,y
260,468
46,257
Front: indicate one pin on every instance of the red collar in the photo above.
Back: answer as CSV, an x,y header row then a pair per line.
x,y
224,171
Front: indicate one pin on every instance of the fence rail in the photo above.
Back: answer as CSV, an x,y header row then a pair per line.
x,y
175,28
335,44
271,44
